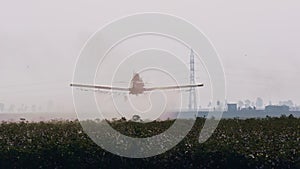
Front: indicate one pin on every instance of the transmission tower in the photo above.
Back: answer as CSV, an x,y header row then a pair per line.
x,y
192,94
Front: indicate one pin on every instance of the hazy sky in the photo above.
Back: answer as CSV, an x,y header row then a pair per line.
x,y
258,43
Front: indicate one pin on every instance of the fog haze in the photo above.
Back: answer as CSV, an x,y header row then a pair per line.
x,y
257,41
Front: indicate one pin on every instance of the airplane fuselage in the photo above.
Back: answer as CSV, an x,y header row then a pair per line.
x,y
136,85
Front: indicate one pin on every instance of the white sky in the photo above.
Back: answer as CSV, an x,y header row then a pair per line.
x,y
258,43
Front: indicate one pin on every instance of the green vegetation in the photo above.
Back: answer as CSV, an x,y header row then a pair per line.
x,y
251,143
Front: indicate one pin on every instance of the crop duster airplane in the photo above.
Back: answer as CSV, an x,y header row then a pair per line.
x,y
136,86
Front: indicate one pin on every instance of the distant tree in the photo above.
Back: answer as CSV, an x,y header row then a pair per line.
x,y
25,108
50,106
287,103
33,108
11,108
20,109
290,103
247,103
241,104
209,104
259,102
1,107
40,108
219,105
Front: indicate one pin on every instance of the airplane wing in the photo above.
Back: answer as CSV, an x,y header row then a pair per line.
x,y
99,87
173,87
127,89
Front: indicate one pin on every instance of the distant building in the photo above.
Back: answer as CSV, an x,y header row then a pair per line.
x,y
1,107
248,109
231,107
276,108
